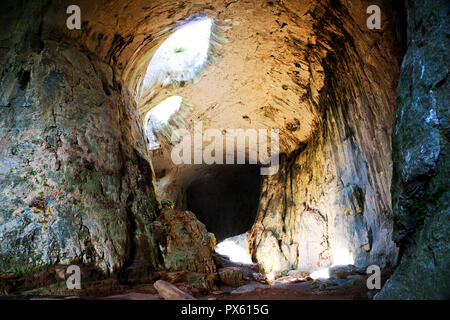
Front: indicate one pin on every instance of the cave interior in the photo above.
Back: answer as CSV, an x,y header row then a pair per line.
x,y
140,139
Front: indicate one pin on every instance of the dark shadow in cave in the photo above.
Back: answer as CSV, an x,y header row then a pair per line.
x,y
226,198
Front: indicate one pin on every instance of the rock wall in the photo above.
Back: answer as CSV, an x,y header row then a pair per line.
x,y
76,183
330,202
420,192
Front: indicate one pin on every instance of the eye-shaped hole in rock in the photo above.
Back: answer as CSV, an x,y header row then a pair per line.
x,y
181,56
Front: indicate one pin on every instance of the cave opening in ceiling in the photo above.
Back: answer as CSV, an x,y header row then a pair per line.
x,y
182,55
158,117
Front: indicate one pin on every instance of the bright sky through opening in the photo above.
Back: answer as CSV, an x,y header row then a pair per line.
x,y
181,56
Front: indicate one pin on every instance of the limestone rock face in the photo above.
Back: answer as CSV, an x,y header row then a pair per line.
x,y
76,184
185,243
420,193
330,201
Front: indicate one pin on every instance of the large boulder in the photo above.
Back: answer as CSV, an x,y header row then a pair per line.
x,y
231,276
342,271
184,242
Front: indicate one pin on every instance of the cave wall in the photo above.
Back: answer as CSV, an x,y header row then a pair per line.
x,y
420,193
76,182
333,193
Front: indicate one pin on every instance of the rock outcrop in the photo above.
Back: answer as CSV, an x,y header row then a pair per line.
x,y
330,200
420,184
184,241
76,182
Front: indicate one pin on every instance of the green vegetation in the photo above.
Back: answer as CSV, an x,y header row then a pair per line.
x,y
9,257
179,49
421,205
275,233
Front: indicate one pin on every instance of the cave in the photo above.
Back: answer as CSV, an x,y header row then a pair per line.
x,y
137,137
226,199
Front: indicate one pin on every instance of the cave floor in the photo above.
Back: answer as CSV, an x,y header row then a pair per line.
x,y
291,291
353,287
41,285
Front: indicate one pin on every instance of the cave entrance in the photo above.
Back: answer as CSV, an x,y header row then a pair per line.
x,y
226,200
